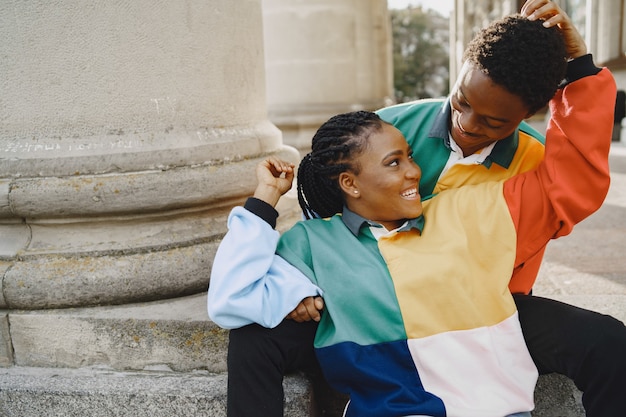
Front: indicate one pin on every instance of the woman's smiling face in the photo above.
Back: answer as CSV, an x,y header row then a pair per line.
x,y
385,190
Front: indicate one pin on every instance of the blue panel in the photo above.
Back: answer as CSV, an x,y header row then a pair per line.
x,y
381,379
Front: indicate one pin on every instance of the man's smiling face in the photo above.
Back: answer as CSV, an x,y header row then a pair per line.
x,y
482,112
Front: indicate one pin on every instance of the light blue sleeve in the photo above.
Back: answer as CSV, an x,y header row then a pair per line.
x,y
249,282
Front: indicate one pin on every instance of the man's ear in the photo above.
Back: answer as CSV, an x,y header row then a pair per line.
x,y
347,183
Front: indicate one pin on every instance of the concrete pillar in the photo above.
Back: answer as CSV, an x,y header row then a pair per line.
x,y
325,57
128,128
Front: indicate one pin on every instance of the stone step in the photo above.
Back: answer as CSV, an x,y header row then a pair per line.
x,y
174,333
97,392
163,358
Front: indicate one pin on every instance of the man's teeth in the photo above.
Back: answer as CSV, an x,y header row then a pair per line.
x,y
410,193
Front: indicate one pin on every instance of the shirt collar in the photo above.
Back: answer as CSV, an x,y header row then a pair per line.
x,y
354,222
439,128
503,151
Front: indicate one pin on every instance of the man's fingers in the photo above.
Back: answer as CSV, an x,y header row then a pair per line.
x,y
295,317
307,310
319,303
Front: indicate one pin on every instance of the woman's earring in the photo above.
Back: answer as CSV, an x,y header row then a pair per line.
x,y
356,191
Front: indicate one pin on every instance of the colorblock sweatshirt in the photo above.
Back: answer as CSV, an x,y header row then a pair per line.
x,y
420,322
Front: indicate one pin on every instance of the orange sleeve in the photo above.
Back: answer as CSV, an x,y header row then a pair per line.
x,y
573,179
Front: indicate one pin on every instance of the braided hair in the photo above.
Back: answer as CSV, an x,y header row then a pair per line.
x,y
522,56
334,148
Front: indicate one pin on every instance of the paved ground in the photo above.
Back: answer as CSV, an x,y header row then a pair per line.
x,y
588,267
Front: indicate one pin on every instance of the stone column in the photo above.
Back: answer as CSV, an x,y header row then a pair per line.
x,y
325,57
128,128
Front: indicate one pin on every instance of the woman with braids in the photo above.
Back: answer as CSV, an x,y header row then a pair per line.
x,y
510,67
418,318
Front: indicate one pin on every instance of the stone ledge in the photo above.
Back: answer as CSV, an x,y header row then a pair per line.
x,y
175,333
35,392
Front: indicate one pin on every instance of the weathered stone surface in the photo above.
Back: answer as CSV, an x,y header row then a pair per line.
x,y
6,349
134,192
4,267
57,282
14,238
154,240
174,333
5,207
36,392
555,396
119,149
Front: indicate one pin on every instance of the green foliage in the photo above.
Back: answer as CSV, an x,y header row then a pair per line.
x,y
420,54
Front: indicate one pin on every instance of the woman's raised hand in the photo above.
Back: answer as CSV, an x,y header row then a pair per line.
x,y
274,177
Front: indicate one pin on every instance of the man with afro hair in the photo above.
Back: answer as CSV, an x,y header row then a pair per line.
x,y
511,70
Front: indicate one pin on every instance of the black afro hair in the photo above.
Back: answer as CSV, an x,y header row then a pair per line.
x,y
522,56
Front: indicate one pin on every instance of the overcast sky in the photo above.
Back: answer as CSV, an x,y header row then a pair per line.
x,y
442,6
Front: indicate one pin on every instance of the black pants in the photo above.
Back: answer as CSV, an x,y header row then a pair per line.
x,y
257,360
588,347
